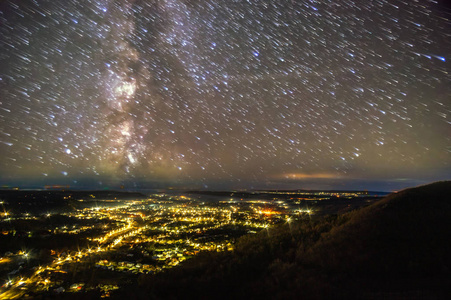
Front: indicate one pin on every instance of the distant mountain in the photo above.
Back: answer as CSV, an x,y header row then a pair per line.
x,y
397,248
281,193
72,194
38,201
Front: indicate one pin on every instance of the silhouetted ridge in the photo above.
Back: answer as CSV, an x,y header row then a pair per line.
x,y
397,248
406,234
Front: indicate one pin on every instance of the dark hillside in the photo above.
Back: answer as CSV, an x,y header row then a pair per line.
x,y
397,248
407,233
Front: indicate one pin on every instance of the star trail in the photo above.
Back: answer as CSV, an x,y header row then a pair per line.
x,y
216,94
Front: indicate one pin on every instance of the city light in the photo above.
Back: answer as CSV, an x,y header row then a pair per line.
x,y
146,236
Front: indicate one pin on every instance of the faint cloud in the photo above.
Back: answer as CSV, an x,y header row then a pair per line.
x,y
300,176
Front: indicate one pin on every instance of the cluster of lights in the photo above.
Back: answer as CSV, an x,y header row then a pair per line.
x,y
196,220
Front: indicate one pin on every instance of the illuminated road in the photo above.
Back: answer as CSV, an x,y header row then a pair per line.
x,y
109,240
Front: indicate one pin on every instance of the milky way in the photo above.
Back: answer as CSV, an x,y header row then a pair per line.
x,y
224,93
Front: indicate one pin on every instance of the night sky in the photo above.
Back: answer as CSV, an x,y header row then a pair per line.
x,y
225,94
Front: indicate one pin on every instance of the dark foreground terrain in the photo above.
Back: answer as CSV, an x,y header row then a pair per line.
x,y
397,248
